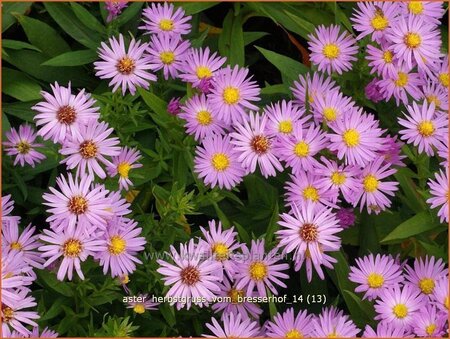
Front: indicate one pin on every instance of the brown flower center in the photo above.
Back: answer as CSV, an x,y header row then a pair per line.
x,y
190,275
78,205
260,144
309,232
88,149
126,65
66,115
7,314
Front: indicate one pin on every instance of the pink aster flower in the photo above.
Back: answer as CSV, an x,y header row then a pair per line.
x,y
386,330
333,323
374,192
429,322
76,202
17,317
392,151
434,92
220,245
140,307
46,333
7,208
440,297
425,274
374,18
118,206
174,107
375,274
309,233
232,93
255,147
127,67
62,113
122,245
305,188
331,107
382,60
88,149
15,274
234,326
162,19
346,217
167,53
73,245
423,127
201,119
217,163
439,189
356,138
414,41
399,305
189,276
122,164
429,11
442,73
306,89
399,85
236,305
298,149
330,51
258,269
114,9
287,325
22,145
282,117
200,64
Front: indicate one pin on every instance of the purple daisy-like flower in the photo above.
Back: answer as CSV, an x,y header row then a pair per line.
x,y
76,202
414,41
306,89
258,269
391,151
374,191
232,93
122,245
399,85
17,317
200,64
434,92
443,152
309,232
122,164
62,113
399,305
168,53
346,217
440,297
382,61
333,323
163,19
190,276
7,208
22,145
234,326
356,138
425,273
330,51
287,325
298,149
145,303
429,322
424,127
374,274
439,189
429,11
331,107
374,18
73,245
217,162
127,67
118,206
114,9
442,74
88,149
282,117
201,119
386,330
236,304
255,147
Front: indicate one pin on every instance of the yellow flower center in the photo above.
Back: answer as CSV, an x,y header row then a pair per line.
x,y
235,294
88,149
433,98
7,314
220,162
124,279
430,329
203,72
400,311
351,137
447,302
370,183
260,144
426,285
309,232
426,128
221,251
311,96
285,126
338,178
294,334
124,168
72,248
331,51
444,79
126,65
204,118
330,114
415,7
402,80
16,246
375,280
379,22
231,95
412,40
388,56
117,245
332,334
66,114
258,270
139,308
23,147
167,57
166,25
78,205
301,149
311,193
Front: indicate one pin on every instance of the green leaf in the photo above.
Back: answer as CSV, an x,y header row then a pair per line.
x,y
76,58
15,44
159,107
195,7
250,37
20,110
412,199
87,18
129,13
43,36
10,9
54,310
273,223
225,37
19,86
366,309
6,126
243,234
50,280
237,52
420,223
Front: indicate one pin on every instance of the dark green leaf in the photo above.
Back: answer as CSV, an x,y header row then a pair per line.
x,y
16,44
10,8
87,18
76,58
195,7
19,85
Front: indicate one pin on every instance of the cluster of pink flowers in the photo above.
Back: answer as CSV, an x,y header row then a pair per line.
x,y
409,299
